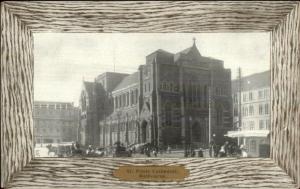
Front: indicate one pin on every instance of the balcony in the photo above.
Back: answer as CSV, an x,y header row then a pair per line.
x,y
248,133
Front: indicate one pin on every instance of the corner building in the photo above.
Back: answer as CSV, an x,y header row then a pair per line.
x,y
55,122
166,102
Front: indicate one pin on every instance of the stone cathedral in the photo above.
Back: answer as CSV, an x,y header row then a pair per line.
x,y
166,102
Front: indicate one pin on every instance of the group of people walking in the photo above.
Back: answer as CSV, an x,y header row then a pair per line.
x,y
228,149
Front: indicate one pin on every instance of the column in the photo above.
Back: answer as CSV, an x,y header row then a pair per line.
x,y
138,131
182,110
110,133
126,130
118,128
104,132
158,129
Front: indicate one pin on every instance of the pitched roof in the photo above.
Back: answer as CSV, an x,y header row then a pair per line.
x,y
88,86
186,51
254,81
129,80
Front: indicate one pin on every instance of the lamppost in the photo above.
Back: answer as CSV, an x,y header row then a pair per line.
x,y
137,130
191,133
126,130
118,131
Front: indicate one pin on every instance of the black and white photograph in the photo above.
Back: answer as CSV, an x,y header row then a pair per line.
x,y
152,95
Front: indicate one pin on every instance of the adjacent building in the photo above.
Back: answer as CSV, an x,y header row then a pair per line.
x,y
55,122
168,100
95,104
251,110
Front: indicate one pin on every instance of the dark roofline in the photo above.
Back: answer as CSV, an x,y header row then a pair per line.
x,y
116,73
252,75
51,102
159,50
126,81
256,81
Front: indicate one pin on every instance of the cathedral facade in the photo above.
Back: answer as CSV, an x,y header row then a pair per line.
x,y
173,99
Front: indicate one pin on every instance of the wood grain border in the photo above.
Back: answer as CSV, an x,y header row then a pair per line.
x,y
19,20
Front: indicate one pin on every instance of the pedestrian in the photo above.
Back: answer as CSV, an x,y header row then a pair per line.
x,y
226,148
243,151
148,151
169,149
222,152
73,149
90,150
193,153
154,152
200,152
216,150
212,150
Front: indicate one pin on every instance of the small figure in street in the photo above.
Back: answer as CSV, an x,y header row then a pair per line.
x,y
243,151
200,153
90,150
154,152
73,149
222,152
226,148
169,149
148,151
193,153
212,149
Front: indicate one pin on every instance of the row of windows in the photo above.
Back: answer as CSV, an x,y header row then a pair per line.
x,y
264,124
252,145
220,91
169,86
249,96
263,109
250,125
52,130
196,95
147,87
126,99
122,127
45,112
53,106
49,123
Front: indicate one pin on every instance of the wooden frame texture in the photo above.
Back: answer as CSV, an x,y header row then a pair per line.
x,y
19,20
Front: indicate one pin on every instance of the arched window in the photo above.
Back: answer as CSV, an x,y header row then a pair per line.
x,y
131,98
168,114
199,96
219,115
266,108
124,100
136,96
83,102
251,110
205,94
120,101
127,99
190,93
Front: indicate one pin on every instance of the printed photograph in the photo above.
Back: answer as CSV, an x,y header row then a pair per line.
x,y
152,95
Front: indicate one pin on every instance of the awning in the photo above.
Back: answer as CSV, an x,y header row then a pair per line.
x,y
248,133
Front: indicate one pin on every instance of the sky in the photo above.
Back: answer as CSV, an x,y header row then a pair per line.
x,y
62,61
